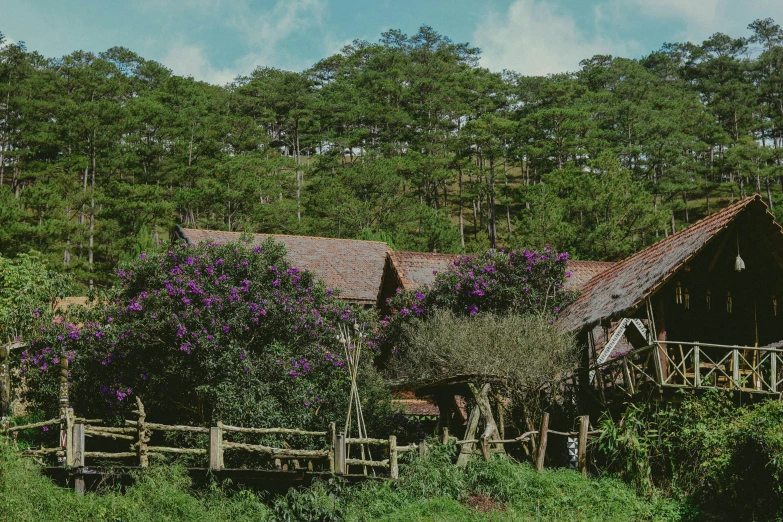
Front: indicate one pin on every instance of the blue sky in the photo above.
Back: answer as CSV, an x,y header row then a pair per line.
x,y
215,40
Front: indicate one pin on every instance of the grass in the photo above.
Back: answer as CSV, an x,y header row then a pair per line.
x,y
430,489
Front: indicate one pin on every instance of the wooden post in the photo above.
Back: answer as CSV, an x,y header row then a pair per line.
x,y
773,381
424,450
143,434
444,438
485,447
69,425
584,423
5,383
661,363
339,455
466,450
62,456
78,457
501,417
394,470
216,447
696,366
542,438
627,377
735,367
332,442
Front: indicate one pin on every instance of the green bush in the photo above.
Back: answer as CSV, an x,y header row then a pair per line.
x,y
726,459
209,333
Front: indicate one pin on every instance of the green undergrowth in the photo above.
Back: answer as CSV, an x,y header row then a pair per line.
x,y
429,488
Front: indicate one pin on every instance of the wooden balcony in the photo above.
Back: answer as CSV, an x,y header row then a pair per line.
x,y
689,365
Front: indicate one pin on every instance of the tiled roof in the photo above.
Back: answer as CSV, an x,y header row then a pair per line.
x,y
352,266
584,271
62,304
623,287
417,406
415,269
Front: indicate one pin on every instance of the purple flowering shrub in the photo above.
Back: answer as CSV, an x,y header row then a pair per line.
x,y
206,333
521,282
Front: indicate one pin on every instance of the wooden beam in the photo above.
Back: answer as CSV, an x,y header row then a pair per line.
x,y
721,246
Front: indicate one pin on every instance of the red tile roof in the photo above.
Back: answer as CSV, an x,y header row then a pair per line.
x,y
415,269
62,304
352,266
622,288
417,406
584,271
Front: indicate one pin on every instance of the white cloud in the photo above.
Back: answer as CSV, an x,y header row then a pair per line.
x,y
264,31
536,37
188,60
702,18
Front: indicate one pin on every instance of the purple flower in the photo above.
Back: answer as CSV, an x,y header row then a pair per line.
x,y
472,309
143,255
419,296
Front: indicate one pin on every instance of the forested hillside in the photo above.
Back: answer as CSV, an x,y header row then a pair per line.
x,y
407,140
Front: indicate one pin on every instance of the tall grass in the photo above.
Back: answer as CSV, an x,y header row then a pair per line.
x,y
429,489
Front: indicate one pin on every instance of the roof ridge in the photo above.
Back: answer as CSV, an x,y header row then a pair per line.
x,y
666,241
291,235
641,266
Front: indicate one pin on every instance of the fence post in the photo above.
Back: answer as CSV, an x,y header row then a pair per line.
x,y
5,383
78,457
394,469
773,381
69,430
62,456
735,367
584,423
696,366
339,455
143,435
216,447
542,437
445,436
423,448
485,447
332,442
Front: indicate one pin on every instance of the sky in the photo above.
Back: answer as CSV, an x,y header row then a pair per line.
x,y
217,40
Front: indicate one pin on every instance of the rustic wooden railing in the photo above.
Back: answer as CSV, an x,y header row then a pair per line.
x,y
695,365
138,433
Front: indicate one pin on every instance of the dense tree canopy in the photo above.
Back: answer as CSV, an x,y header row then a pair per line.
x,y
407,139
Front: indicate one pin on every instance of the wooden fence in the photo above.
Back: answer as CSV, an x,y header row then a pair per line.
x,y
73,451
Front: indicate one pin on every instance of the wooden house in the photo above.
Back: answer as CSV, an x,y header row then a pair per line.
x,y
696,310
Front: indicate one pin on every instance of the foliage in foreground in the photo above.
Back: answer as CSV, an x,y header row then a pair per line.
x,y
429,489
726,459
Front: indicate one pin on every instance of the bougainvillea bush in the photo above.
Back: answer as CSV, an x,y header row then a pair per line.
x,y
520,282
208,333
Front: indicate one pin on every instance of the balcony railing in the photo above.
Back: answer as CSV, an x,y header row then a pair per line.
x,y
692,365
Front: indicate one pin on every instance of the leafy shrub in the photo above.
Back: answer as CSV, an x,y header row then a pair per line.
x,y
521,282
209,333
728,460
